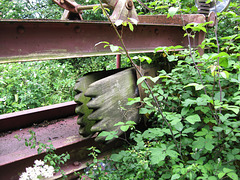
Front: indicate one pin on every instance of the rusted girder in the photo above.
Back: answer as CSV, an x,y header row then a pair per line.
x,y
29,117
15,156
30,40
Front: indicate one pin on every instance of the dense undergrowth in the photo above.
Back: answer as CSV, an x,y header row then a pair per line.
x,y
194,131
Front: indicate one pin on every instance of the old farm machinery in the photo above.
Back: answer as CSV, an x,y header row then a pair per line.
x,y
100,95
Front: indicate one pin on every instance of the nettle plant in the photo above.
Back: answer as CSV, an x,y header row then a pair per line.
x,y
194,114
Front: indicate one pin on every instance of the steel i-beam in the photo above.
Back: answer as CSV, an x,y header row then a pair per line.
x,y
30,40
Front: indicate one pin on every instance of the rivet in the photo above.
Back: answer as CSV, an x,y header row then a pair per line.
x,y
156,31
77,29
20,29
129,4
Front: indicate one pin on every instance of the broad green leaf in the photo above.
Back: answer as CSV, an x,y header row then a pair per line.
x,y
179,126
184,111
208,145
124,128
199,143
132,101
119,124
193,118
103,133
114,48
221,174
227,170
144,111
116,157
130,123
157,155
233,175
196,85
188,130
175,176
172,153
224,74
217,129
203,132
141,79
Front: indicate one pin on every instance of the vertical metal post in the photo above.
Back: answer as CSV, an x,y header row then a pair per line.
x,y
118,58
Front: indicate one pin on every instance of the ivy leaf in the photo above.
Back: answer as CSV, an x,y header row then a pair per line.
x,y
172,11
193,118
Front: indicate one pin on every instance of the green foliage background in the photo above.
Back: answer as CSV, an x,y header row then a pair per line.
x,y
35,84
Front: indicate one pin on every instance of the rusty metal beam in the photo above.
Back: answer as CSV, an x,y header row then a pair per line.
x,y
29,40
25,118
15,156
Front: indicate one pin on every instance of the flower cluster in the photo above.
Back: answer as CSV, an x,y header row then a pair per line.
x,y
38,171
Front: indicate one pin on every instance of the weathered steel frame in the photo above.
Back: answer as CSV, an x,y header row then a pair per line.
x,y
29,40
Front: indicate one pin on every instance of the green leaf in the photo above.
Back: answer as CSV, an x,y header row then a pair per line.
x,y
130,26
224,74
227,170
132,101
124,128
193,118
208,145
172,11
221,174
144,111
179,126
157,155
130,123
233,175
217,129
203,132
196,85
175,176
212,178
119,124
141,79
114,48
188,130
184,111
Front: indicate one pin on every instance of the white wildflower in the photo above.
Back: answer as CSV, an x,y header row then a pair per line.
x,y
39,162
38,171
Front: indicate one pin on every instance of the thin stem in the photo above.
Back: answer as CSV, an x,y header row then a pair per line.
x,y
195,65
139,72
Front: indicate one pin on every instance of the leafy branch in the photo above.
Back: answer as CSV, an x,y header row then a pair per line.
x,y
141,75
